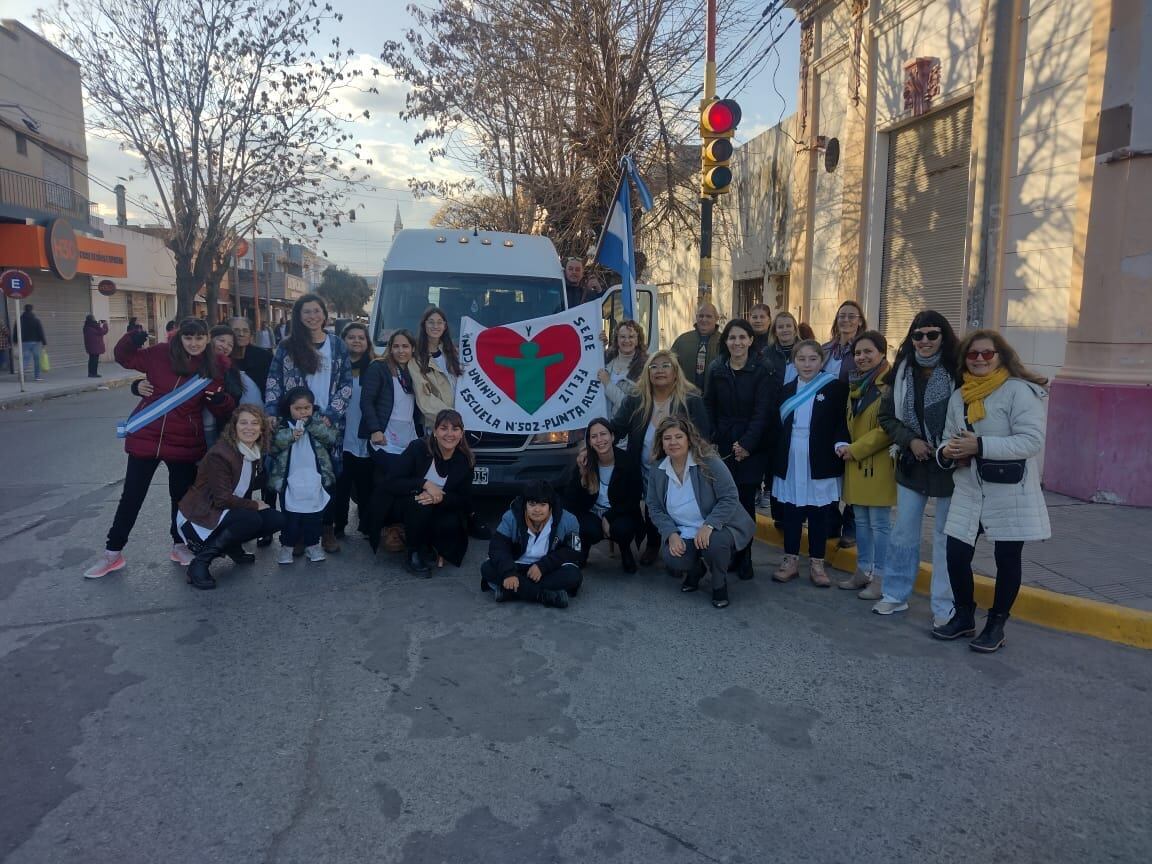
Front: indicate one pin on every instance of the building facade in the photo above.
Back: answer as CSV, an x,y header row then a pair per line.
x,y
45,224
989,159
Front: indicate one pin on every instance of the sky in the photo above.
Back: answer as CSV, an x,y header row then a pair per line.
x,y
362,245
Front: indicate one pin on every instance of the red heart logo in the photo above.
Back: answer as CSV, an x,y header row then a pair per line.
x,y
530,372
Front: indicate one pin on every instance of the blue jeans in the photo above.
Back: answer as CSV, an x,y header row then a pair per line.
x,y
872,528
32,352
903,558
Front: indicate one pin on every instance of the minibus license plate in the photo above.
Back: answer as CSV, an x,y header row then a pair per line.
x,y
479,476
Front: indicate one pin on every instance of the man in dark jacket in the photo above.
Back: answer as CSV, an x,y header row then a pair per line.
x,y
696,349
534,554
32,336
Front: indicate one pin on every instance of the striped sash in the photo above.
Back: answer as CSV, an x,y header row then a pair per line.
x,y
162,406
804,393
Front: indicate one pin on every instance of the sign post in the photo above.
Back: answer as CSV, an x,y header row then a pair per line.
x,y
17,284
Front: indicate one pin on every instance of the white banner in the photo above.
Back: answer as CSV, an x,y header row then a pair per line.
x,y
532,376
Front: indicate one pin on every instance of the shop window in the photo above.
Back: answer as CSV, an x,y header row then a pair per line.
x,y
21,144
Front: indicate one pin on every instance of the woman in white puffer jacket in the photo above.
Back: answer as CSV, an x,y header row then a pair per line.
x,y
994,436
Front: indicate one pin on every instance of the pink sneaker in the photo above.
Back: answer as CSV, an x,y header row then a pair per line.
x,y
108,562
181,554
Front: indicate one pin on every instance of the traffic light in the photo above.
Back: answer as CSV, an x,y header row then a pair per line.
x,y
718,122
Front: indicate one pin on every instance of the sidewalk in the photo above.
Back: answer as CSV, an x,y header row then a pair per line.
x,y
61,382
1094,576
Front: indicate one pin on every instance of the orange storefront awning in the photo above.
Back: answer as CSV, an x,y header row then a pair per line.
x,y
25,247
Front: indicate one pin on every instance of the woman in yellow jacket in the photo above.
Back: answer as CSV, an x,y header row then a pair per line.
x,y
869,472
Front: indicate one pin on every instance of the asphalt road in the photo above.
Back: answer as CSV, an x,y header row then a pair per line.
x,y
347,712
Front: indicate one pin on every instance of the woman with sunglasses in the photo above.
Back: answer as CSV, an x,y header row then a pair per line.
x,y
662,392
993,438
913,412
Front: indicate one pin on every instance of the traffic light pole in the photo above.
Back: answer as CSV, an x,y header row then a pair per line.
x,y
706,201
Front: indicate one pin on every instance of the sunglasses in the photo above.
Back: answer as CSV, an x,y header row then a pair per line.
x,y
981,355
930,335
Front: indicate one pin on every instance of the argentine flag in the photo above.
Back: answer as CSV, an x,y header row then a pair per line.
x,y
617,251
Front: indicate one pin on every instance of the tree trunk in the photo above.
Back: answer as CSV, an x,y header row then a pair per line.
x,y
185,289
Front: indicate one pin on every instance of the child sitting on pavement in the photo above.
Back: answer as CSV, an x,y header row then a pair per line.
x,y
534,554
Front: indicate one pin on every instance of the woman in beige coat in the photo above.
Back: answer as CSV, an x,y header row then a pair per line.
x,y
435,366
994,436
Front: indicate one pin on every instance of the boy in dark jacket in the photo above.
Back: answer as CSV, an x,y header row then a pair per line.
x,y
534,554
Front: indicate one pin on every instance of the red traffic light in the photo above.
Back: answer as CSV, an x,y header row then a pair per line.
x,y
720,117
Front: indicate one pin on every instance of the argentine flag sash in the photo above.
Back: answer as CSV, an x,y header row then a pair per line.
x,y
804,393
162,406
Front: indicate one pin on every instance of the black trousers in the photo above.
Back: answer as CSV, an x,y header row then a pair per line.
x,y
245,525
566,577
354,484
93,365
622,529
1009,569
747,493
137,479
431,526
383,507
841,524
793,519
301,529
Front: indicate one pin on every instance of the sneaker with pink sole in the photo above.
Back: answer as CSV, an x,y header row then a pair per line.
x,y
181,554
109,562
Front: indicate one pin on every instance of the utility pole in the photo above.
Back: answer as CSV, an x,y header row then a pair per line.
x,y
707,201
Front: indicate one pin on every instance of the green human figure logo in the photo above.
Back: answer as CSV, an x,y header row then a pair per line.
x,y
528,374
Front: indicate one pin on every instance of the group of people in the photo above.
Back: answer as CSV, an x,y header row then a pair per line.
x,y
831,432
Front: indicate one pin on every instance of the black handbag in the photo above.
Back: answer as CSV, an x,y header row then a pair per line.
x,y
1006,471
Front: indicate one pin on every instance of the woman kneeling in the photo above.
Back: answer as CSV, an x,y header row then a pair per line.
x,y
218,514
694,504
535,552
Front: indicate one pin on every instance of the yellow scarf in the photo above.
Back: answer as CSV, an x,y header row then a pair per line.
x,y
978,388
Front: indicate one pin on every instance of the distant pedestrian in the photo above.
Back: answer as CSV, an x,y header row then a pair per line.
x,y
31,333
302,472
94,333
913,412
534,553
696,349
869,473
217,515
809,420
5,346
994,437
165,428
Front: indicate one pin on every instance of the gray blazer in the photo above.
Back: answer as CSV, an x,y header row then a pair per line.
x,y
716,497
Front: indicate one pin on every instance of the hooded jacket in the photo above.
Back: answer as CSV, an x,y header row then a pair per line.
x,y
510,539
320,434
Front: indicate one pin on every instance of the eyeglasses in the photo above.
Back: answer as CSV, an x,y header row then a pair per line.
x,y
930,335
661,367
847,316
981,355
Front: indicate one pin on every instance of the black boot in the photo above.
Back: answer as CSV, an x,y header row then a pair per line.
x,y
720,596
416,564
627,558
238,555
962,623
216,546
991,638
692,579
557,599
264,541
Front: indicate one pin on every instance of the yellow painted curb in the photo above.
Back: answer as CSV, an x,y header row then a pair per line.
x,y
1047,608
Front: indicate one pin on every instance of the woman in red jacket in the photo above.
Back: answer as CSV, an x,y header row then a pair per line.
x,y
174,436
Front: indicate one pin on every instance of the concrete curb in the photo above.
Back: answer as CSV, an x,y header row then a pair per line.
x,y
1035,605
21,400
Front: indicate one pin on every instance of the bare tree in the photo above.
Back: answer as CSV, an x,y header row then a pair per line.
x,y
539,99
233,113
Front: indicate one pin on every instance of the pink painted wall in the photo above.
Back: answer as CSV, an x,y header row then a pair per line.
x,y
1099,445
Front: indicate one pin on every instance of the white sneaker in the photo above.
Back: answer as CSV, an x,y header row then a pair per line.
x,y
889,607
109,562
285,556
316,553
940,622
181,554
